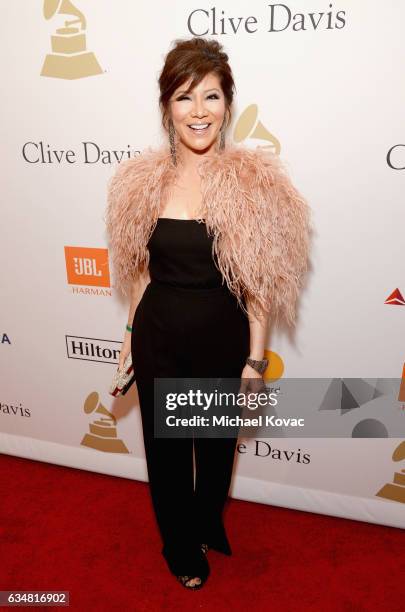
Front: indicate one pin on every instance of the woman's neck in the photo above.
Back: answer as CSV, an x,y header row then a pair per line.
x,y
189,159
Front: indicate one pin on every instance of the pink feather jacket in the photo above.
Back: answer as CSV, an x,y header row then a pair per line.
x,y
259,222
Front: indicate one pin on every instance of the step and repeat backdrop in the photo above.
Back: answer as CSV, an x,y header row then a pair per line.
x,y
319,83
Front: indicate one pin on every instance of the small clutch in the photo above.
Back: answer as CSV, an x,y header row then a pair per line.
x,y
123,379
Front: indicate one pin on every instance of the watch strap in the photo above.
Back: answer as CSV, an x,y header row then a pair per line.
x,y
259,365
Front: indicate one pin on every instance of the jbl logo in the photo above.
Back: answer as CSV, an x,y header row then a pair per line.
x,y
87,266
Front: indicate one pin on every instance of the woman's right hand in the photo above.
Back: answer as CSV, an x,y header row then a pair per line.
x,y
125,349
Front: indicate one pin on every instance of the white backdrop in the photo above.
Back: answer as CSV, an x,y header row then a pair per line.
x,y
331,95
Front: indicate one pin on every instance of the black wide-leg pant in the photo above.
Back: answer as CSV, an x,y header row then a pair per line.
x,y
183,332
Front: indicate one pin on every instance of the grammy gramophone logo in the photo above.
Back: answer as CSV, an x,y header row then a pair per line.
x,y
102,434
395,490
249,126
69,58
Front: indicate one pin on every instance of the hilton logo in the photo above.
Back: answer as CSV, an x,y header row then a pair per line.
x,y
93,349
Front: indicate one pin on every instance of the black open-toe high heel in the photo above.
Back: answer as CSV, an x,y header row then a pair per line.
x,y
205,548
200,572
197,566
186,579
201,575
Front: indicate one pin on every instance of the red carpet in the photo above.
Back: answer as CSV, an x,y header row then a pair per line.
x,y
95,536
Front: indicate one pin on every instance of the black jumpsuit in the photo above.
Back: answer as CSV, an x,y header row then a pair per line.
x,y
187,324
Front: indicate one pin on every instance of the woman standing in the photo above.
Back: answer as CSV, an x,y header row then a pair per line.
x,y
211,239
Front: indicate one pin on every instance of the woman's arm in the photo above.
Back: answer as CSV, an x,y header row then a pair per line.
x,y
137,291
258,335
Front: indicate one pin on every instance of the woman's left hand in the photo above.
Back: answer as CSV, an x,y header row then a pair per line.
x,y
251,381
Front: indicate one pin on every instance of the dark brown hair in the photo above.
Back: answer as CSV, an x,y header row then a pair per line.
x,y
194,58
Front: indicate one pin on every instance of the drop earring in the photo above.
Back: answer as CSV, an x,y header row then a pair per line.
x,y
172,142
222,137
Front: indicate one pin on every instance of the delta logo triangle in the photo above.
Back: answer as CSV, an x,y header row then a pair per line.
x,y
395,299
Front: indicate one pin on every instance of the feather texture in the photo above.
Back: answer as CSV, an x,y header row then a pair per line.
x,y
260,223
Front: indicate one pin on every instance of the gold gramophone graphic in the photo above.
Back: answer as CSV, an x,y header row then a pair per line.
x,y
69,58
396,490
248,126
103,431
